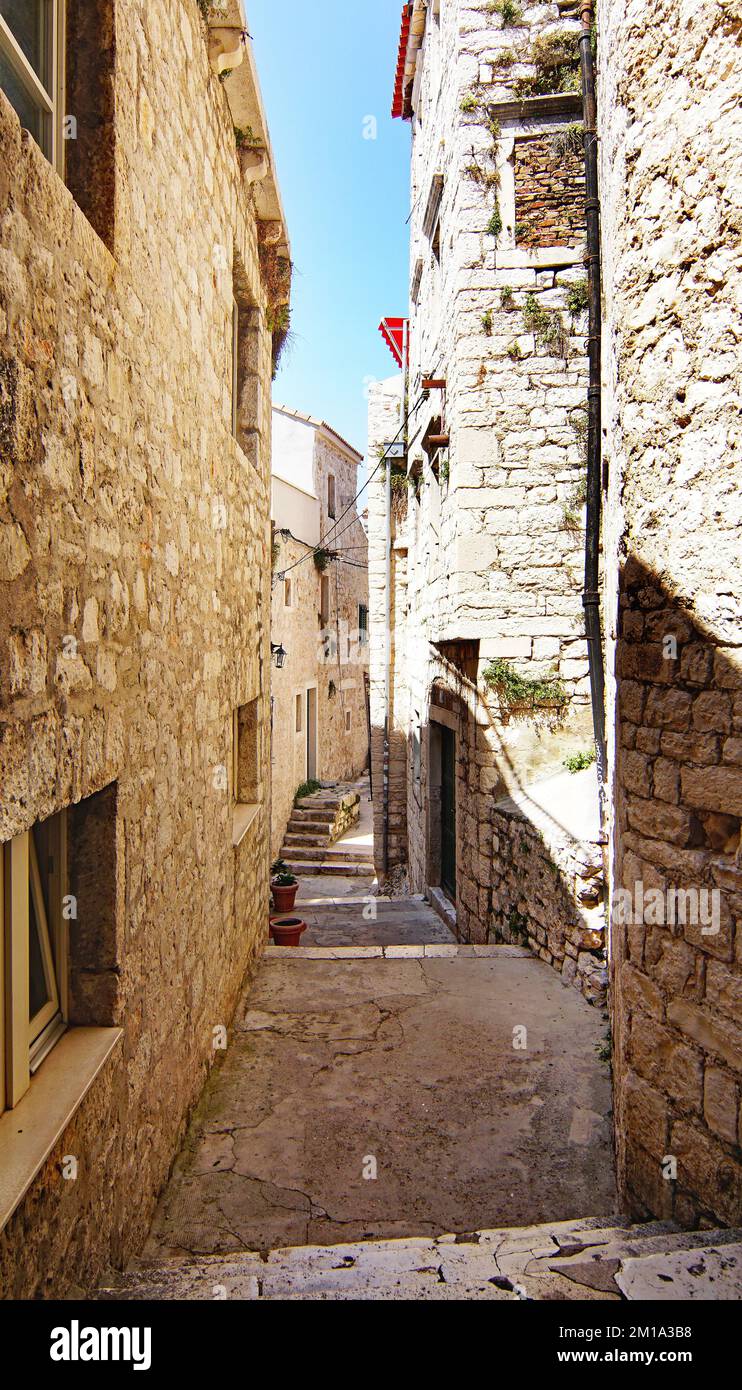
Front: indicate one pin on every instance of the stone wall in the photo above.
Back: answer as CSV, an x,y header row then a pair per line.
x,y
134,564
549,193
333,659
342,671
297,629
671,146
493,539
548,893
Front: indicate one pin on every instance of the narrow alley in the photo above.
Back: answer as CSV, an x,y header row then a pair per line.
x,y
383,1081
370,664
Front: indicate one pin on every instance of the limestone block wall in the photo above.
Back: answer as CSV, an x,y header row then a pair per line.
x,y
297,628
548,893
671,158
134,619
330,658
495,522
342,670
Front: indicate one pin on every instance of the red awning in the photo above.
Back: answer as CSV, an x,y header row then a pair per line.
x,y
398,103
394,332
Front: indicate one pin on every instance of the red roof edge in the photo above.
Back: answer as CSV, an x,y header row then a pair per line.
x,y
398,104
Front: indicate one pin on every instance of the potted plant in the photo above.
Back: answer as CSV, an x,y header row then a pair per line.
x,y
286,931
284,887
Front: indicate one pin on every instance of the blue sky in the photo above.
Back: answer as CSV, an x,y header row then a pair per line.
x,y
324,66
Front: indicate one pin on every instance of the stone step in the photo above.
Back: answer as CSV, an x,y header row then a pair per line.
x,y
508,1264
301,817
331,853
312,840
310,867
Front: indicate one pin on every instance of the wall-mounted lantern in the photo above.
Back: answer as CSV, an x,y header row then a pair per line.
x,y
278,654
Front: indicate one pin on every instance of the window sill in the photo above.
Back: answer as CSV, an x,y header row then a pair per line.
x,y
243,815
29,1133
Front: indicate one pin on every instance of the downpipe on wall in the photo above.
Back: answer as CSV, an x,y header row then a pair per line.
x,y
591,594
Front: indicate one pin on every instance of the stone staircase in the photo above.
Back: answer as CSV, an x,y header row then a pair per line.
x,y
317,822
567,1260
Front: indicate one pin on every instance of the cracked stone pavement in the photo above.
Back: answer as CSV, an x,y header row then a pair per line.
x,y
409,1062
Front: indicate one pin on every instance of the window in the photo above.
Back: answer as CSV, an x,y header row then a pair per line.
x,y
246,754
287,593
33,888
436,242
298,722
31,68
324,600
331,496
362,624
348,721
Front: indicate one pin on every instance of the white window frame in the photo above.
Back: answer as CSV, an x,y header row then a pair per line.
x,y
49,103
331,496
299,712
25,1042
348,721
288,592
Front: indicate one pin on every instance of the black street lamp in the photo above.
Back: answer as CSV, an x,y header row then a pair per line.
x,y
278,654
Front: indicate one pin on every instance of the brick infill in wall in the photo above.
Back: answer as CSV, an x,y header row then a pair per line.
x,y
549,193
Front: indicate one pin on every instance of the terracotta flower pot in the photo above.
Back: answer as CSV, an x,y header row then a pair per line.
x,y
284,897
286,931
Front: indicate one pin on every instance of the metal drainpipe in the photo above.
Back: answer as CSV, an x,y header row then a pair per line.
x,y
591,595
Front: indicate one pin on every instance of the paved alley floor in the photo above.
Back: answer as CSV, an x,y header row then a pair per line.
x,y
378,1097
345,911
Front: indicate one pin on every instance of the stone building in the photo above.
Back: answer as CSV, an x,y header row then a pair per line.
x,y
319,612
671,170
488,462
144,279
488,675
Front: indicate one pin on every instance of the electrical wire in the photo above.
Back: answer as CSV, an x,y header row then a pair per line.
x,y
280,574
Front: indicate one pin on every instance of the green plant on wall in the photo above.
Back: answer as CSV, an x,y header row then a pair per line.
x,y
322,559
246,139
487,322
476,170
504,59
307,789
577,762
514,352
556,58
507,298
469,102
546,325
577,298
517,924
519,692
494,226
509,11
568,141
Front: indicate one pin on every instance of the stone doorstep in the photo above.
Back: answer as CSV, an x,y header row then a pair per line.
x,y
340,867
442,950
511,1263
331,853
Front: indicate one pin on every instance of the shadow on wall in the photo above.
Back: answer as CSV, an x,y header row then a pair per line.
x,y
676,933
